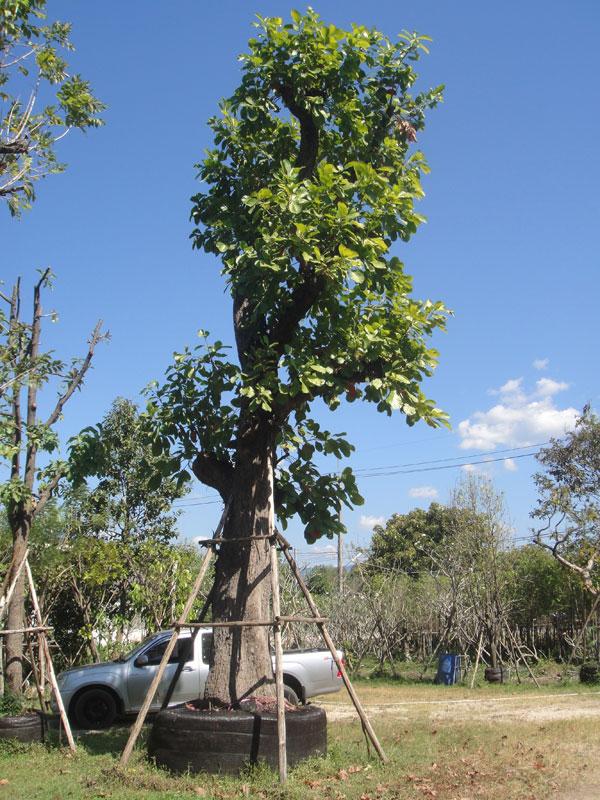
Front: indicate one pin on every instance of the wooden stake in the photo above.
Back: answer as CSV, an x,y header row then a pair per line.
x,y
36,677
143,712
5,599
51,673
329,642
282,755
477,657
516,644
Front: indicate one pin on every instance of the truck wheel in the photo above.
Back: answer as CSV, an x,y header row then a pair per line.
x,y
95,708
290,695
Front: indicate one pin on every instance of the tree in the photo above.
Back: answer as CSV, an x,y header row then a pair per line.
x,y
131,505
25,436
32,66
568,503
406,542
310,182
475,553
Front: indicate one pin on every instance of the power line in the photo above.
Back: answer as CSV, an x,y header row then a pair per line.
x,y
446,466
468,458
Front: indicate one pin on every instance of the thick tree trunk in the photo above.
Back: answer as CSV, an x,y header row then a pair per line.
x,y
16,615
241,660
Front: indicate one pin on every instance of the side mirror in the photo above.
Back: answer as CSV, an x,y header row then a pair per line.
x,y
141,661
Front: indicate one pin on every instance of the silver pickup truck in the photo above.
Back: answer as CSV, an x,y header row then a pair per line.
x,y
96,694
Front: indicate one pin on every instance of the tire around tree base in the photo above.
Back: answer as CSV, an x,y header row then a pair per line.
x,y
24,728
226,741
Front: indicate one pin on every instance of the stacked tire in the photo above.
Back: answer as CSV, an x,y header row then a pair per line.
x,y
23,728
590,672
496,674
225,742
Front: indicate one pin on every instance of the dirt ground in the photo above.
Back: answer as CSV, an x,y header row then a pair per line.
x,y
525,708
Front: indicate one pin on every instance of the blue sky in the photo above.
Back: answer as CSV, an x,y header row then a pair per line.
x,y
511,244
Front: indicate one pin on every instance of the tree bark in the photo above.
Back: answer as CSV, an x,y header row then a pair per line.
x,y
16,613
240,663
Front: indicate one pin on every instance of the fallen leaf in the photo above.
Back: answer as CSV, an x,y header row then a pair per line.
x,y
313,784
200,791
245,789
342,775
354,768
4,781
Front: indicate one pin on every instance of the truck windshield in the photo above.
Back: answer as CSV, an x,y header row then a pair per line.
x,y
132,653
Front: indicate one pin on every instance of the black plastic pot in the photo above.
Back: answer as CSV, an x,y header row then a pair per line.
x,y
226,741
24,727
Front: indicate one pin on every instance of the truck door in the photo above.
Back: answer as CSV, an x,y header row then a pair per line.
x,y
181,661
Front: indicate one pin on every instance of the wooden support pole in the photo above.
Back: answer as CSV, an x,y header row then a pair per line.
x,y
36,629
143,712
5,599
249,623
51,673
516,644
329,642
36,677
215,542
282,754
477,657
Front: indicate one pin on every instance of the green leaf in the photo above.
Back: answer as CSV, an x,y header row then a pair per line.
x,y
346,252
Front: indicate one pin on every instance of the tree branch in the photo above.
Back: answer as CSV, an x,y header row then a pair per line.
x,y
301,300
46,494
96,337
309,132
214,472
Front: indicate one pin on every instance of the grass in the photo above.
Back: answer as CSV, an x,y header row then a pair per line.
x,y
433,754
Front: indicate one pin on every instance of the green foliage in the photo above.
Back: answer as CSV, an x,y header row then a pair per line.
x,y
11,705
407,541
31,62
310,182
537,584
131,499
568,506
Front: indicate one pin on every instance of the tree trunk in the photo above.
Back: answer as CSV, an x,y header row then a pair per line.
x,y
16,614
241,660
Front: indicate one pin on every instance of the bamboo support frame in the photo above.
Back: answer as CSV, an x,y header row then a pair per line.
x,y
51,673
277,541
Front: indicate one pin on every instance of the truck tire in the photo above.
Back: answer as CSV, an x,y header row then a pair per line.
x,y
24,728
95,708
225,741
290,695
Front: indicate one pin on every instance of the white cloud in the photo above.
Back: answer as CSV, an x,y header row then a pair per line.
x,y
469,468
518,419
547,387
423,491
510,464
541,363
369,522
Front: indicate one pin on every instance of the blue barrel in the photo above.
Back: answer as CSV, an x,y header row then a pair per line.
x,y
449,669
